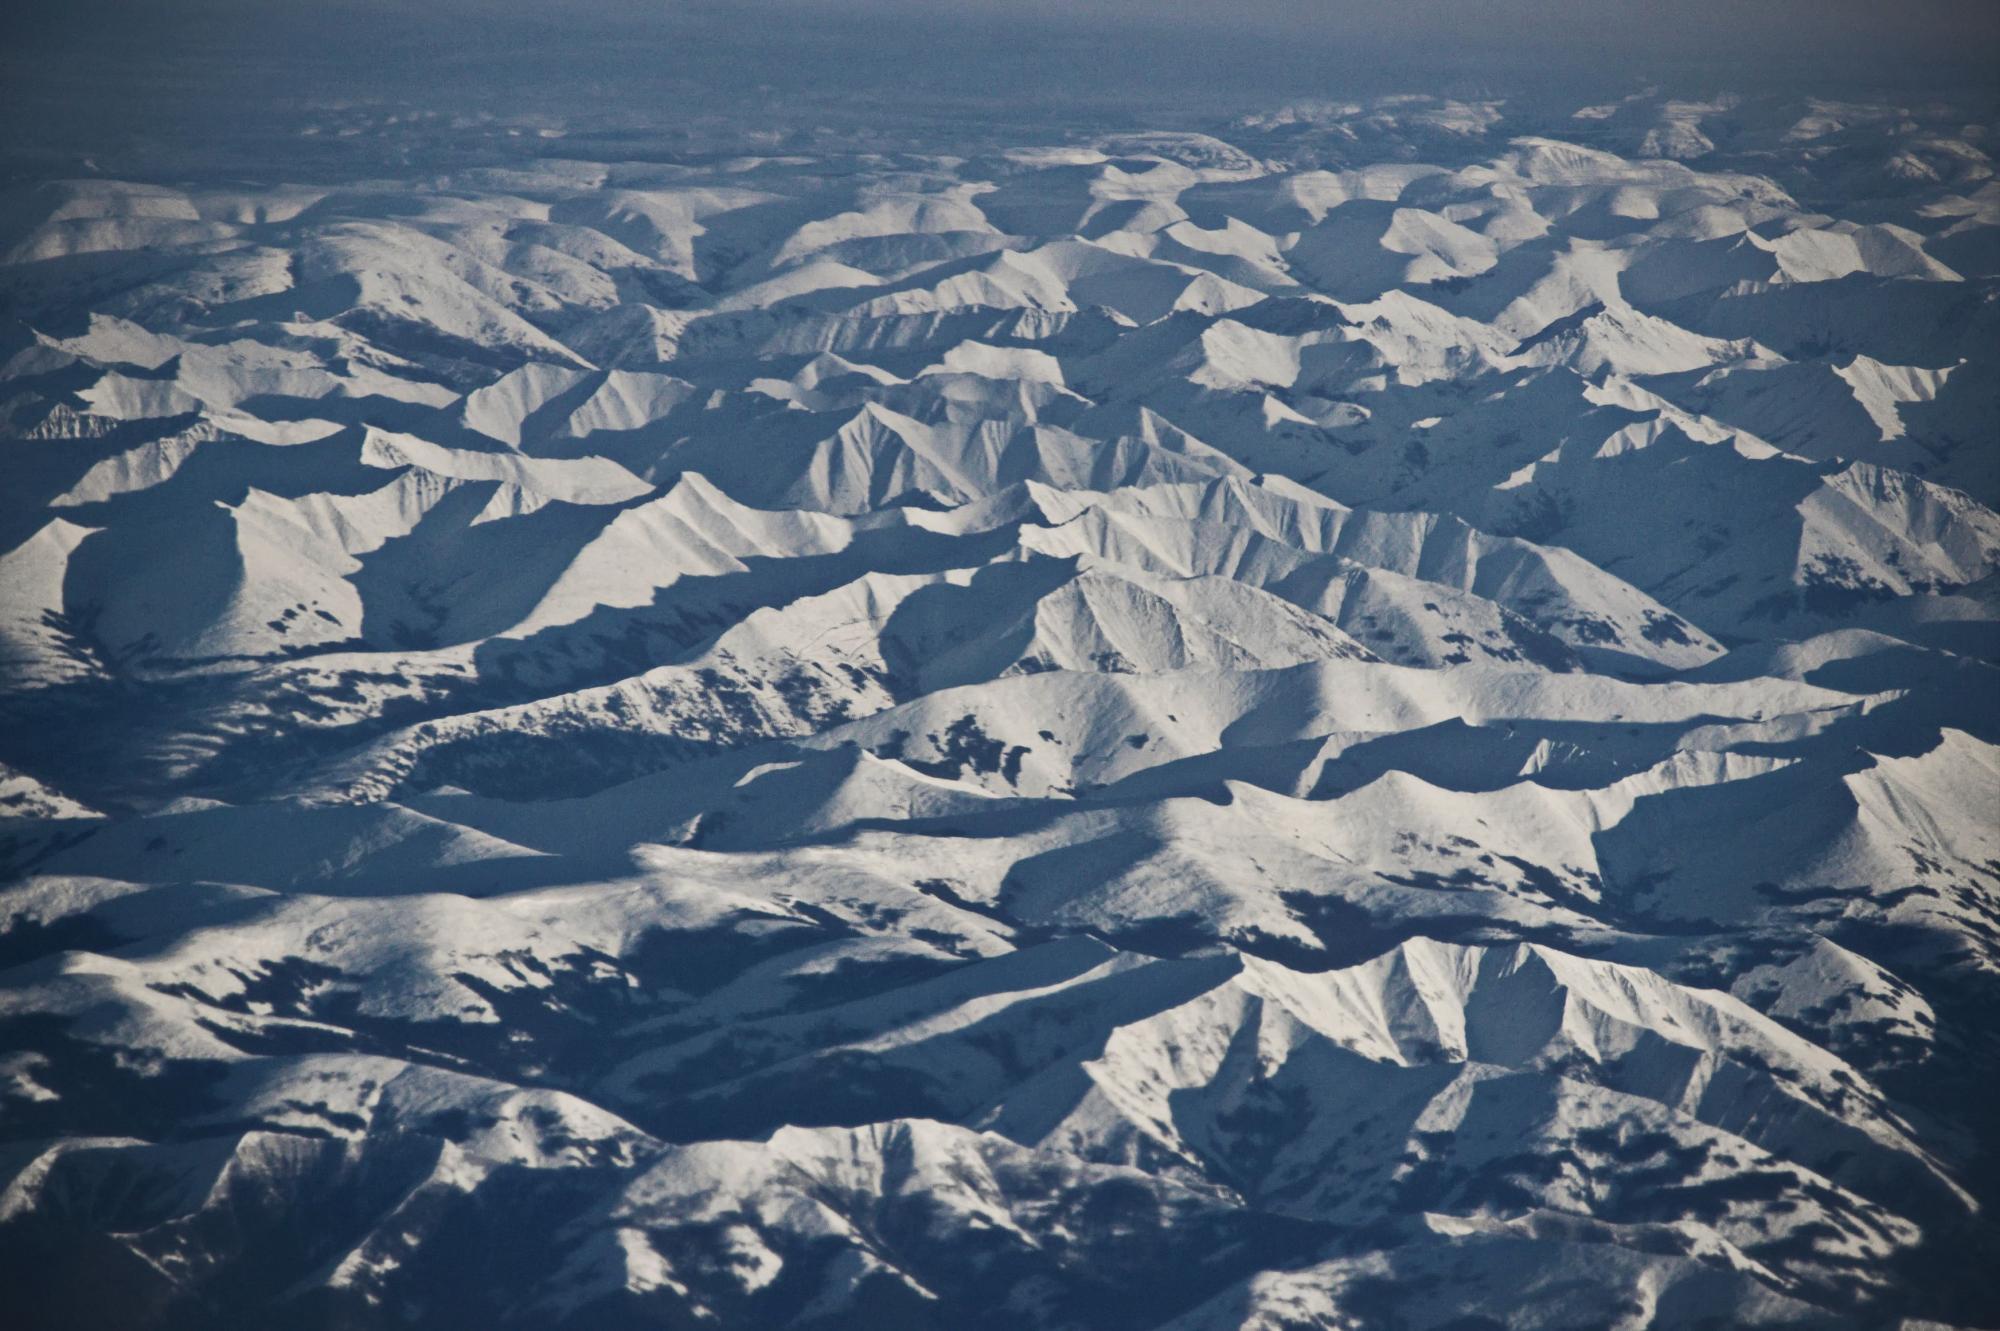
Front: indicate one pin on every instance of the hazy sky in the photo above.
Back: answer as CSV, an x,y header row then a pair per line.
x,y
83,77
1854,31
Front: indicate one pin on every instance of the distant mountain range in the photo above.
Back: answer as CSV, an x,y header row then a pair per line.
x,y
1376,718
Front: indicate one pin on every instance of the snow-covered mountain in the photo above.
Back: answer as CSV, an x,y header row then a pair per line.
x,y
1383,715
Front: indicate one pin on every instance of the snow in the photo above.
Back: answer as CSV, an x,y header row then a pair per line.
x,y
1380,711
